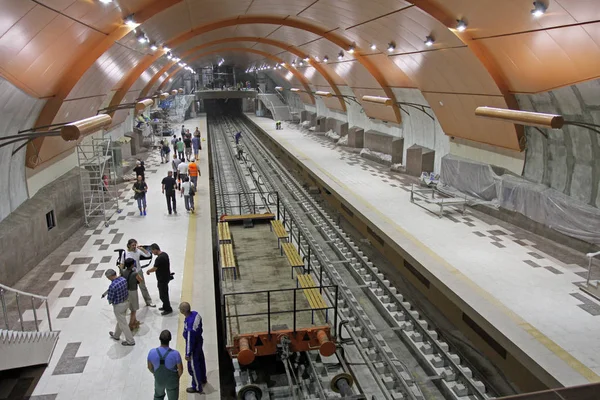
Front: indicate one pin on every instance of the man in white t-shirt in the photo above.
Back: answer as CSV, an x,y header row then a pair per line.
x,y
135,252
187,191
182,170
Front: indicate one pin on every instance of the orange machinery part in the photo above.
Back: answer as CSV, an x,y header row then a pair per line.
x,y
327,347
245,355
247,347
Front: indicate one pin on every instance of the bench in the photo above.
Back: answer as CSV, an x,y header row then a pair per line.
x,y
244,217
292,256
224,233
280,232
311,291
227,259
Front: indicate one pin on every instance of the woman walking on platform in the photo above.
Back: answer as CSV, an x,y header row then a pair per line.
x,y
133,278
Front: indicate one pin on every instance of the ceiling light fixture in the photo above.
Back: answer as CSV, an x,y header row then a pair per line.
x,y
539,9
294,89
307,58
373,46
461,25
141,37
429,40
351,49
129,21
105,1
340,55
293,62
300,63
325,59
153,47
176,59
165,48
391,47
323,93
169,55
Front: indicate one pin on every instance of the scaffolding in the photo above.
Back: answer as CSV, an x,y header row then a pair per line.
x,y
98,174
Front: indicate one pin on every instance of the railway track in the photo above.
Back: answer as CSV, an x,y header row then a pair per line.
x,y
386,345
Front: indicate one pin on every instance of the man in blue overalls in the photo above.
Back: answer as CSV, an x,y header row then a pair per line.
x,y
192,333
167,367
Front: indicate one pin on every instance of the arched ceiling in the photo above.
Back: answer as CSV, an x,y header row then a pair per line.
x,y
79,54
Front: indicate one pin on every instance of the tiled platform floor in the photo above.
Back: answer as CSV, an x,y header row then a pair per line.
x,y
528,293
86,363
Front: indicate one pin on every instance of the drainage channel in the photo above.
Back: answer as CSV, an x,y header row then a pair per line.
x,y
444,367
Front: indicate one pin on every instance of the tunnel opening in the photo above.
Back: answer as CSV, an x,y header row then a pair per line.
x,y
218,107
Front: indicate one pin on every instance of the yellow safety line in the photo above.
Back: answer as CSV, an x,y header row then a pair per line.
x,y
534,332
186,295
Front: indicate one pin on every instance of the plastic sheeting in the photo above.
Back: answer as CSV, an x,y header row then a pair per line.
x,y
178,108
537,202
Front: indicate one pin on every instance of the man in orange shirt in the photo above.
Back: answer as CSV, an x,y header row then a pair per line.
x,y
193,172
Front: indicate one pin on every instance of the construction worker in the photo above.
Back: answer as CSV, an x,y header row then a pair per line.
x,y
194,354
166,366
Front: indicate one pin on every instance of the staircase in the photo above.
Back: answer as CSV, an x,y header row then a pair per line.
x,y
31,345
22,349
280,111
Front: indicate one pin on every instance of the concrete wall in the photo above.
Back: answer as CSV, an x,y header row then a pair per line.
x,y
18,111
567,160
24,237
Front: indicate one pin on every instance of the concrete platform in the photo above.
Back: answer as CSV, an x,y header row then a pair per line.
x,y
519,304
87,364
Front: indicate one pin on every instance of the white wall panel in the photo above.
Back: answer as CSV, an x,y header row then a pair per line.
x,y
18,111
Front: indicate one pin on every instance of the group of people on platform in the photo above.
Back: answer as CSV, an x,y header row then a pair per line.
x,y
165,363
184,174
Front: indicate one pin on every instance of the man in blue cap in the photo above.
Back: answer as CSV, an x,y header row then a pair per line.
x,y
194,354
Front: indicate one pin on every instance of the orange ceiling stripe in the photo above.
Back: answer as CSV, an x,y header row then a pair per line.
x,y
299,24
294,71
73,74
294,50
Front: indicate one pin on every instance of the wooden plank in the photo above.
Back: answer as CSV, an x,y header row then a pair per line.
x,y
279,229
224,232
227,258
231,218
292,255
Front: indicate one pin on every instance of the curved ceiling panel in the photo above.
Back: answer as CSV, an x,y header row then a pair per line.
x,y
103,17
170,23
539,61
454,70
491,18
37,44
407,28
347,13
293,36
106,72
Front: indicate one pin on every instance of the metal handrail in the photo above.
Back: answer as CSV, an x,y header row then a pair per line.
x,y
18,293
591,256
22,293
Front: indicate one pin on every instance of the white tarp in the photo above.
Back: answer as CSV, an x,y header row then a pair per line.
x,y
536,201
